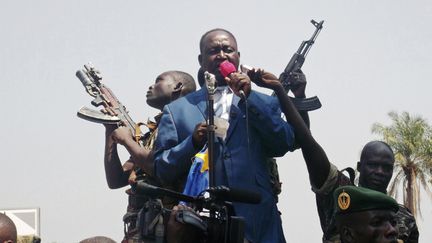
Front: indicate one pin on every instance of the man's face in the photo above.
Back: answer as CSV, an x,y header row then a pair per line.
x,y
218,46
374,226
159,94
376,169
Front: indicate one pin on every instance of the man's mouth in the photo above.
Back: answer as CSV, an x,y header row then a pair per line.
x,y
377,181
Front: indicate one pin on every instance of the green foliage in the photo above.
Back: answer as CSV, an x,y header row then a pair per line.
x,y
411,140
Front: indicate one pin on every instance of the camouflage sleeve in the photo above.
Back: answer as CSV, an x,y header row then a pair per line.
x,y
408,231
325,202
330,182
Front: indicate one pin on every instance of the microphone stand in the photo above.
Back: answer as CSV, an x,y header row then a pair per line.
x,y
211,88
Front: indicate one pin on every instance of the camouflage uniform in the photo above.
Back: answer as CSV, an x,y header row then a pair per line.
x,y
28,239
135,201
326,207
407,226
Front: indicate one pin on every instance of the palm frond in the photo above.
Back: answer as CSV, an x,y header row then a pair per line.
x,y
411,140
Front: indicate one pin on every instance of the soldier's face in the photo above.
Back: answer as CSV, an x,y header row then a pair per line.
x,y
376,170
159,94
374,226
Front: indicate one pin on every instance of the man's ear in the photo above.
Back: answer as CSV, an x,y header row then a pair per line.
x,y
200,59
177,91
178,87
358,166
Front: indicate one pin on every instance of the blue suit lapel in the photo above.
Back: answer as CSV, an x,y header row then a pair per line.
x,y
202,101
235,115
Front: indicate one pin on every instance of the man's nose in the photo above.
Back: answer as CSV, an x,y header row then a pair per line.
x,y
380,170
391,230
222,54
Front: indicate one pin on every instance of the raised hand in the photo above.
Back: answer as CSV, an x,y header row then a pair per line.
x,y
298,84
264,79
121,135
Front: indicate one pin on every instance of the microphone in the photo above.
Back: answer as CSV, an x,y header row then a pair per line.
x,y
154,192
210,81
226,68
235,194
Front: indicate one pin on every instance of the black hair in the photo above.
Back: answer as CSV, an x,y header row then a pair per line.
x,y
211,31
186,79
372,144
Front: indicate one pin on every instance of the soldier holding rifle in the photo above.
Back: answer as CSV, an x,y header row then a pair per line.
x,y
375,167
168,86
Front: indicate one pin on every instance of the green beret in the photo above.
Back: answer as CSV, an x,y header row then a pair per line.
x,y
350,199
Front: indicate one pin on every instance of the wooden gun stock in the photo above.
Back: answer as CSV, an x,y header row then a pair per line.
x,y
115,111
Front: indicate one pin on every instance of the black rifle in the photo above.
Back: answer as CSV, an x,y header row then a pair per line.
x,y
295,64
116,112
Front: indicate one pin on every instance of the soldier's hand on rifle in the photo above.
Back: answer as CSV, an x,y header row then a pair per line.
x,y
298,84
121,135
264,79
109,128
199,136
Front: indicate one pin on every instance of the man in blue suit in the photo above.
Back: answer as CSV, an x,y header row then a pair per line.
x,y
240,156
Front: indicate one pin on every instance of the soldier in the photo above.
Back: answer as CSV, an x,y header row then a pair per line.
x,y
365,216
168,87
375,167
8,231
98,239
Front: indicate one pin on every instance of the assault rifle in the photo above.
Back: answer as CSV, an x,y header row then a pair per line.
x,y
115,112
295,64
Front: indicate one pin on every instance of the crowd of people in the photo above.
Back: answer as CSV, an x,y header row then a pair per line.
x,y
259,128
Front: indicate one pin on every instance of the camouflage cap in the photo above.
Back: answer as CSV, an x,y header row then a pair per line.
x,y
350,199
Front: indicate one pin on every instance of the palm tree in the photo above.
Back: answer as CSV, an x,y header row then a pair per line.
x,y
411,140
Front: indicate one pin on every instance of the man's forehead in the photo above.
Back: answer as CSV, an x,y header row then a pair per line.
x,y
381,213
381,155
164,77
219,37
379,152
371,214
219,40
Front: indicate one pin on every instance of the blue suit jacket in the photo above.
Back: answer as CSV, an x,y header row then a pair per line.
x,y
235,165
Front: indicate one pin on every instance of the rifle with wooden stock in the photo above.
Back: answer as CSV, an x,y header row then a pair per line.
x,y
114,111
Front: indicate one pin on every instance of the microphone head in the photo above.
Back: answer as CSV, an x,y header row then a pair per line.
x,y
210,81
226,68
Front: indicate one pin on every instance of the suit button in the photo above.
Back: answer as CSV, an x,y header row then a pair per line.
x,y
226,156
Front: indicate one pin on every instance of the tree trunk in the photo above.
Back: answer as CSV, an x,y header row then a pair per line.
x,y
410,204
